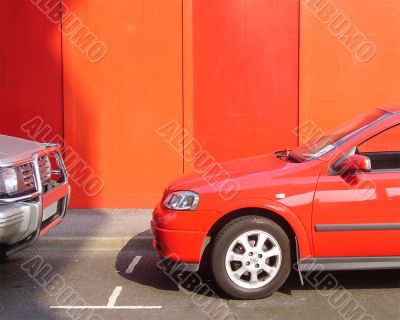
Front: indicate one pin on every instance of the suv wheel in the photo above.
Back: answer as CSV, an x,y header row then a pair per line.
x,y
251,257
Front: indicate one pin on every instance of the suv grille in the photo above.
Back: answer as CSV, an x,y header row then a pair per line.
x,y
27,173
45,169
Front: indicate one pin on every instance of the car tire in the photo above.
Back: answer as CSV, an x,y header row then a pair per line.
x,y
255,269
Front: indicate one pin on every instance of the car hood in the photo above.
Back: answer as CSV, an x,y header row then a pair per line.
x,y
265,164
15,149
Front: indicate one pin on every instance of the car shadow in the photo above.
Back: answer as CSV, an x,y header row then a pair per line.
x,y
147,272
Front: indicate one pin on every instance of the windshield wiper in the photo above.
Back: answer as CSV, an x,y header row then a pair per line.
x,y
288,156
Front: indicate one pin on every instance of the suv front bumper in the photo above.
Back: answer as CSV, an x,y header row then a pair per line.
x,y
24,219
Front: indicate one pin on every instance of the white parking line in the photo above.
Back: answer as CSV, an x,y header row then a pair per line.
x,y
114,296
110,305
133,264
107,308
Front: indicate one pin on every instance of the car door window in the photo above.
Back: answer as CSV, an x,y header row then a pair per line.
x,y
383,149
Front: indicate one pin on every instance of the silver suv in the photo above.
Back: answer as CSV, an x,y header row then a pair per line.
x,y
34,192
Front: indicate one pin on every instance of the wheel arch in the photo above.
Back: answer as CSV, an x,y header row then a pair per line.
x,y
286,219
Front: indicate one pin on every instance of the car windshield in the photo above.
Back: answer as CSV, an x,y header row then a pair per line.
x,y
318,146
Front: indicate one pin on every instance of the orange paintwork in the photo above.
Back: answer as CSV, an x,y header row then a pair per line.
x,y
154,72
245,76
334,86
187,81
311,197
230,72
114,107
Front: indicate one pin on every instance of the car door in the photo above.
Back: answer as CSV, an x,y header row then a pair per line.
x,y
359,215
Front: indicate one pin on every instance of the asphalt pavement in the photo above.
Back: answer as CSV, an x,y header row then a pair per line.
x,y
72,274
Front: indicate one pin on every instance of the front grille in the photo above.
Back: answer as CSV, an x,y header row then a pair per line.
x,y
45,169
27,174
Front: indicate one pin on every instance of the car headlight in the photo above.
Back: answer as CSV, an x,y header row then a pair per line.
x,y
182,200
11,181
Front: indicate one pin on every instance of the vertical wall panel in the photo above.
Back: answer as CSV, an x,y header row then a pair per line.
x,y
30,70
187,65
245,66
334,84
114,107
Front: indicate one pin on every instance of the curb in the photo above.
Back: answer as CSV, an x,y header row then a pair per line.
x,y
93,243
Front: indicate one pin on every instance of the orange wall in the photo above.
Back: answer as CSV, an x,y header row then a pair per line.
x,y
245,76
114,107
334,84
226,71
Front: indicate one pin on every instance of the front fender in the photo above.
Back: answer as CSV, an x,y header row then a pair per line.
x,y
287,214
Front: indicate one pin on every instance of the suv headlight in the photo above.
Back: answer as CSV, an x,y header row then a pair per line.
x,y
182,200
11,181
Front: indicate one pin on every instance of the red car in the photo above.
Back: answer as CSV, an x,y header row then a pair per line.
x,y
331,204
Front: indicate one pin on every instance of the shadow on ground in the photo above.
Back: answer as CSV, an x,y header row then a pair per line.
x,y
148,273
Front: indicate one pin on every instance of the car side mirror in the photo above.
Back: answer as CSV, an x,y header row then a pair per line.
x,y
354,163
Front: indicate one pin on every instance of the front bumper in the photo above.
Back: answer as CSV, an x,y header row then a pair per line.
x,y
178,245
24,219
182,236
